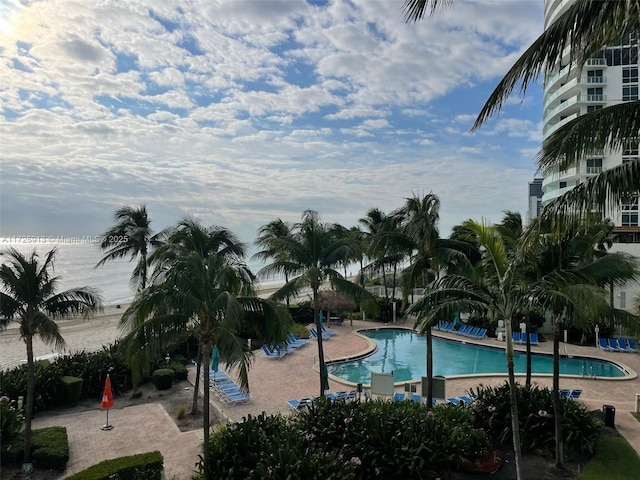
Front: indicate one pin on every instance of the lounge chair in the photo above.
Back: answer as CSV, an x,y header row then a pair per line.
x,y
613,344
516,337
575,393
218,375
398,396
473,332
465,330
234,399
622,345
481,334
564,393
273,354
631,342
442,325
459,328
455,401
533,339
329,331
465,398
293,339
314,334
298,405
602,344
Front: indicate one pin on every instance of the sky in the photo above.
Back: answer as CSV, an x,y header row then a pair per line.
x,y
239,112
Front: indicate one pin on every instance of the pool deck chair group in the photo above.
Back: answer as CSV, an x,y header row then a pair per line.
x,y
521,339
278,352
226,390
463,329
627,345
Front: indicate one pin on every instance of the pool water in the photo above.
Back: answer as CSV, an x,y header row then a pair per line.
x,y
403,353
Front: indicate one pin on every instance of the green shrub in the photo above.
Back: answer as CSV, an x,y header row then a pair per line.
x,y
144,465
163,378
11,423
180,372
492,410
347,440
300,330
72,389
50,448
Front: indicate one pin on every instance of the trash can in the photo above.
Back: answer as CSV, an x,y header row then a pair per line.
x,y
609,415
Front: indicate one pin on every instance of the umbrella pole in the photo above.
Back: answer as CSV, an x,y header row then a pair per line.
x,y
107,426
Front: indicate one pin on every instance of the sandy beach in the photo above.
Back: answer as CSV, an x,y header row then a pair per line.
x,y
79,334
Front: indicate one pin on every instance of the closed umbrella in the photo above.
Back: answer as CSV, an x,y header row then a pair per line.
x,y
107,401
215,361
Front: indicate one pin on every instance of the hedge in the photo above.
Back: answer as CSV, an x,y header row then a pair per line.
x,y
49,449
143,465
163,378
72,389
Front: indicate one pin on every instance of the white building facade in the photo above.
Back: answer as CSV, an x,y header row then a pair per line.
x,y
610,77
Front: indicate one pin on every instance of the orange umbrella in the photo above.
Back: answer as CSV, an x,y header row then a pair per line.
x,y
107,401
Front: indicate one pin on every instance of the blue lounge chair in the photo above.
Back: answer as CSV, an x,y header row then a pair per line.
x,y
442,325
272,354
575,393
328,331
602,344
298,405
314,334
631,342
237,398
564,393
481,334
455,401
533,339
465,330
293,339
218,375
473,332
613,344
516,337
622,345
459,329
465,398
398,396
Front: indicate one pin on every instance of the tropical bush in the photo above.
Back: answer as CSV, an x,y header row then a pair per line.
x,y
49,449
300,330
348,440
11,424
492,411
72,389
163,378
180,372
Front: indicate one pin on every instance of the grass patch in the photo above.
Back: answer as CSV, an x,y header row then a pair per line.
x,y
615,459
637,415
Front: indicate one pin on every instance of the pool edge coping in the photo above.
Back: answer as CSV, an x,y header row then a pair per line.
x,y
373,346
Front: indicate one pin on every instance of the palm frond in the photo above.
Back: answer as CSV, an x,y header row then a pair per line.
x,y
586,26
606,191
415,10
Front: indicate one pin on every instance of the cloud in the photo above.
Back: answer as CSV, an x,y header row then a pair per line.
x,y
241,112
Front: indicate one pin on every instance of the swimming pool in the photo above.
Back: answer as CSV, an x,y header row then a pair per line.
x,y
403,352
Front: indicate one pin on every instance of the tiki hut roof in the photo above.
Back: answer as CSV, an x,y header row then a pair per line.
x,y
332,300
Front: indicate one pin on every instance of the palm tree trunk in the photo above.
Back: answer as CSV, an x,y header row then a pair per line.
x,y
557,409
206,353
429,368
393,287
526,322
515,425
321,364
28,411
196,390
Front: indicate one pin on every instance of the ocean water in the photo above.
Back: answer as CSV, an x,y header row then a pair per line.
x,y
75,262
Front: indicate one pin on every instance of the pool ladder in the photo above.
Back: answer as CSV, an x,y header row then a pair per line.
x,y
591,374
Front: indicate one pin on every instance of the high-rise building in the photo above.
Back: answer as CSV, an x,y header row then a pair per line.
x,y
535,199
610,77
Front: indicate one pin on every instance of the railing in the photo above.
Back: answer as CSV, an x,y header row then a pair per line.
x,y
591,62
594,170
596,98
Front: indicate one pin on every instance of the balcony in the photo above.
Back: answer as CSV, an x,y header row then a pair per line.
x,y
563,107
550,128
596,98
596,62
598,80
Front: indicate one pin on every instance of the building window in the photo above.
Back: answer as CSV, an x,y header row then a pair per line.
x,y
593,108
630,149
630,75
630,212
630,92
594,94
595,76
623,299
594,165
563,184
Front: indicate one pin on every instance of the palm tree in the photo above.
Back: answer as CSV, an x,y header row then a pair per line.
x,y
130,236
28,295
586,27
430,254
571,288
269,239
497,290
201,281
310,255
